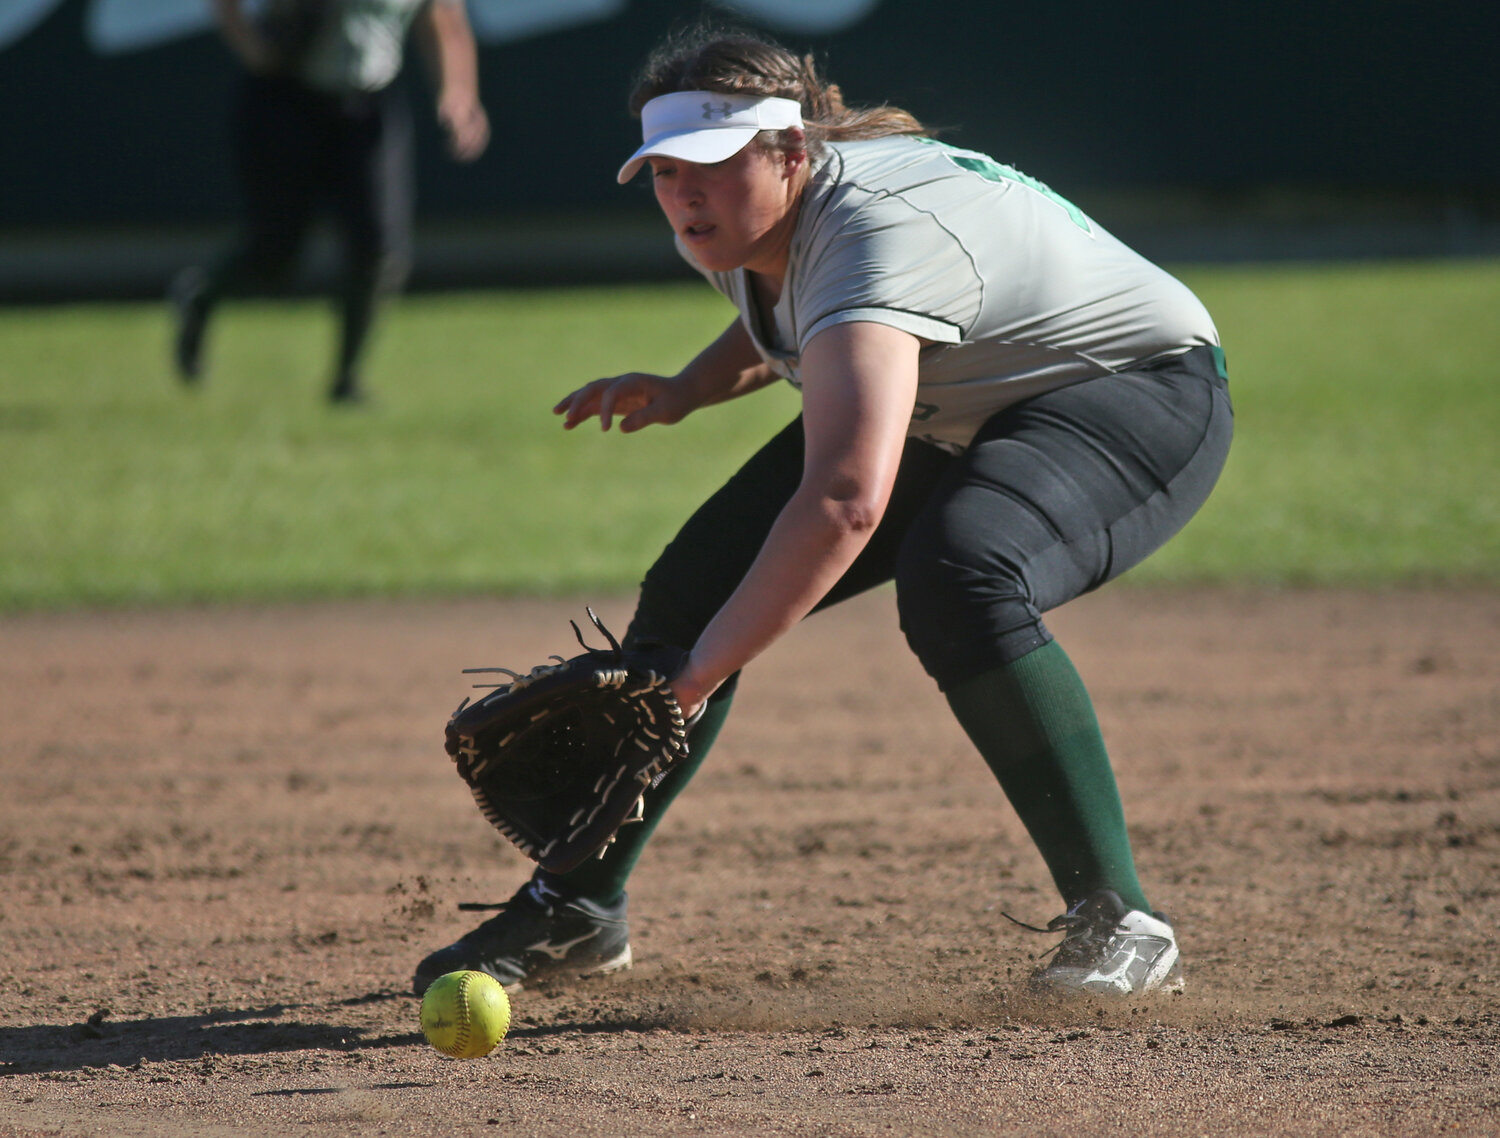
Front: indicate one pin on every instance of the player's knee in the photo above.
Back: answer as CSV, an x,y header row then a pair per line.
x,y
963,619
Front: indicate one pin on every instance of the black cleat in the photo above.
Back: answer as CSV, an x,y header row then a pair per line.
x,y
537,932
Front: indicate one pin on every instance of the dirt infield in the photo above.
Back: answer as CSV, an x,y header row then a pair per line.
x,y
226,837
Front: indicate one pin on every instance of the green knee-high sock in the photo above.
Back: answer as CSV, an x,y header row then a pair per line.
x,y
1034,723
604,879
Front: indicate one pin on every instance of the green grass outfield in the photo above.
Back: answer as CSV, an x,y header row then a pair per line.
x,y
1367,402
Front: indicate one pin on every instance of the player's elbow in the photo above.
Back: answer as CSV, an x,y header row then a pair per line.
x,y
852,509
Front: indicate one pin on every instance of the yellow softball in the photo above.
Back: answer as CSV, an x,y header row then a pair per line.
x,y
464,1014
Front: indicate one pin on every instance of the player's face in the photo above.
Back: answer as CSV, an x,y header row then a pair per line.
x,y
733,214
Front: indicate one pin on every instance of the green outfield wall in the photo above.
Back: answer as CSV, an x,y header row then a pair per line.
x,y
115,109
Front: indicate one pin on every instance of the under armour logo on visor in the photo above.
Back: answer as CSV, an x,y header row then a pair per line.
x,y
722,111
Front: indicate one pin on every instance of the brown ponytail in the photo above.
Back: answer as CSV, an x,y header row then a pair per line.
x,y
738,63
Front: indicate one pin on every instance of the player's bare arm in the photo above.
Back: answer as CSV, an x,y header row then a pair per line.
x,y
447,44
726,369
859,387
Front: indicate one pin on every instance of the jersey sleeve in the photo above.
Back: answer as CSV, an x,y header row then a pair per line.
x,y
884,262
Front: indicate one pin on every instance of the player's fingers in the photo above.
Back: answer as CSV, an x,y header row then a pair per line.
x,y
470,138
607,405
567,402
660,402
650,411
622,395
584,403
567,406
627,396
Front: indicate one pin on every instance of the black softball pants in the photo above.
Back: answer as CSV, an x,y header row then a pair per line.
x,y
1055,496
298,151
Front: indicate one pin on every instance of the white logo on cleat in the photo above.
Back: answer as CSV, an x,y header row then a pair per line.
x,y
1116,978
562,948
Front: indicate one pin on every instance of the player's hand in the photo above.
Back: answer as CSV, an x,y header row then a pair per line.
x,y
692,691
637,398
467,128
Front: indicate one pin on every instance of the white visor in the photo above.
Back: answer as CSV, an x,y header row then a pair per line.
x,y
705,126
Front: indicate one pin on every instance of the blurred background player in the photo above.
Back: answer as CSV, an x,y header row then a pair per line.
x,y
1003,407
319,124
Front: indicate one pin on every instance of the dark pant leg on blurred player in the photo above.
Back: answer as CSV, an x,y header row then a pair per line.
x,y
280,135
279,138
371,193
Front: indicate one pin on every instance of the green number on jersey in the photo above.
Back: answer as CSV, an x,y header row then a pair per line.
x,y
987,168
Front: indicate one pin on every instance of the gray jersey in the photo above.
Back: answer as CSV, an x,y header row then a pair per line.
x,y
352,45
1014,290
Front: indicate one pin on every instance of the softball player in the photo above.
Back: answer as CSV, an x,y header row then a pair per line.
x,y
1003,408
319,122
